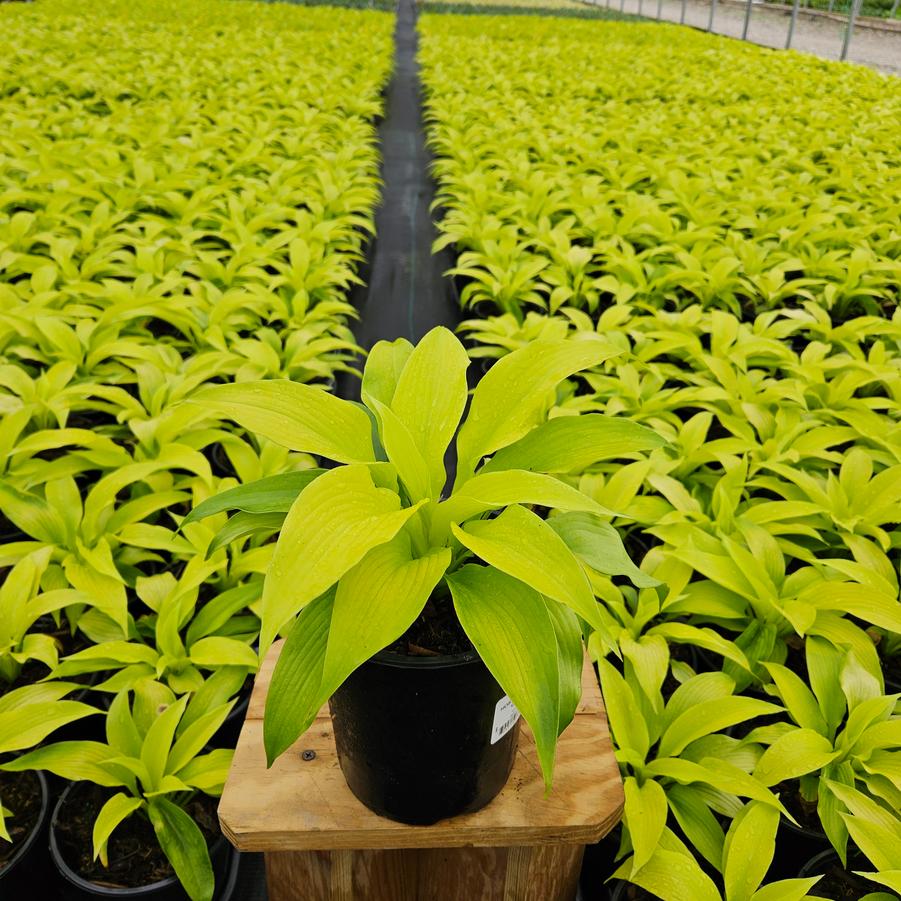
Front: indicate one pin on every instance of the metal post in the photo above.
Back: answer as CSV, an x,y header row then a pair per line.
x,y
744,30
712,14
622,5
852,18
831,5
895,6
791,24
640,7
682,17
659,10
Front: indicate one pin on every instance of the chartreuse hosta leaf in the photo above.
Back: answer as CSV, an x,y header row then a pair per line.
x,y
598,545
274,494
874,829
21,605
573,443
747,854
832,752
428,400
154,757
509,625
365,545
512,398
351,516
300,417
521,544
377,600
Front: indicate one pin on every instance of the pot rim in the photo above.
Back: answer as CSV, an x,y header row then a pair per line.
x,y
29,842
441,661
70,875
830,854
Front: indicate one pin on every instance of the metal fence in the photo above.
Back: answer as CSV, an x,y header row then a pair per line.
x,y
676,10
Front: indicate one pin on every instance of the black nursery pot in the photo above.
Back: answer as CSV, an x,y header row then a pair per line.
x,y
794,845
70,886
23,871
414,735
838,882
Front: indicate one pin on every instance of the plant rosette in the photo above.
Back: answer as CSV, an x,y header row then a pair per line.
x,y
145,785
840,742
363,547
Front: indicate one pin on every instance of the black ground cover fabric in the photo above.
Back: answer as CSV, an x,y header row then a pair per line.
x,y
406,293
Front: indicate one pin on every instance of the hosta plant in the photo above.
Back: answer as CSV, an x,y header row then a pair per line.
x,y
180,641
22,606
364,545
676,760
28,715
154,761
842,733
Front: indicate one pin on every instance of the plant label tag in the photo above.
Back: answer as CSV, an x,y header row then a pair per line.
x,y
505,718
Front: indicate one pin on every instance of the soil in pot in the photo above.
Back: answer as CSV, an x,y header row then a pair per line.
x,y
435,632
423,730
23,794
135,857
839,883
23,863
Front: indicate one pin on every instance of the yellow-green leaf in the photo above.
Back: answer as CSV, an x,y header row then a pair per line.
x,y
522,545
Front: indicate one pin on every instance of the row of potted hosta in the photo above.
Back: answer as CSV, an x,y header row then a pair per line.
x,y
759,640
770,517
185,196
582,163
767,662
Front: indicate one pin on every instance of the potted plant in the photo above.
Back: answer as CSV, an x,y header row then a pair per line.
x,y
27,716
876,830
137,819
840,741
460,605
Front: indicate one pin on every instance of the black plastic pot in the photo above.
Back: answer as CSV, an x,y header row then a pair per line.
x,y
598,862
828,864
70,886
414,736
795,844
23,870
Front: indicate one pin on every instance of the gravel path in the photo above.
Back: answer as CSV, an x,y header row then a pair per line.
x,y
813,34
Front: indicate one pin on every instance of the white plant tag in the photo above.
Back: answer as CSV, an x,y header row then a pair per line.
x,y
505,718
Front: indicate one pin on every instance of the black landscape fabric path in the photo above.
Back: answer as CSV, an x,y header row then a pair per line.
x,y
407,294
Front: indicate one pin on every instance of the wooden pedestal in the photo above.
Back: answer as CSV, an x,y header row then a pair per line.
x,y
322,844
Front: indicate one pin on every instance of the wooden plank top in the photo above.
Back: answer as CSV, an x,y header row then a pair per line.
x,y
300,805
